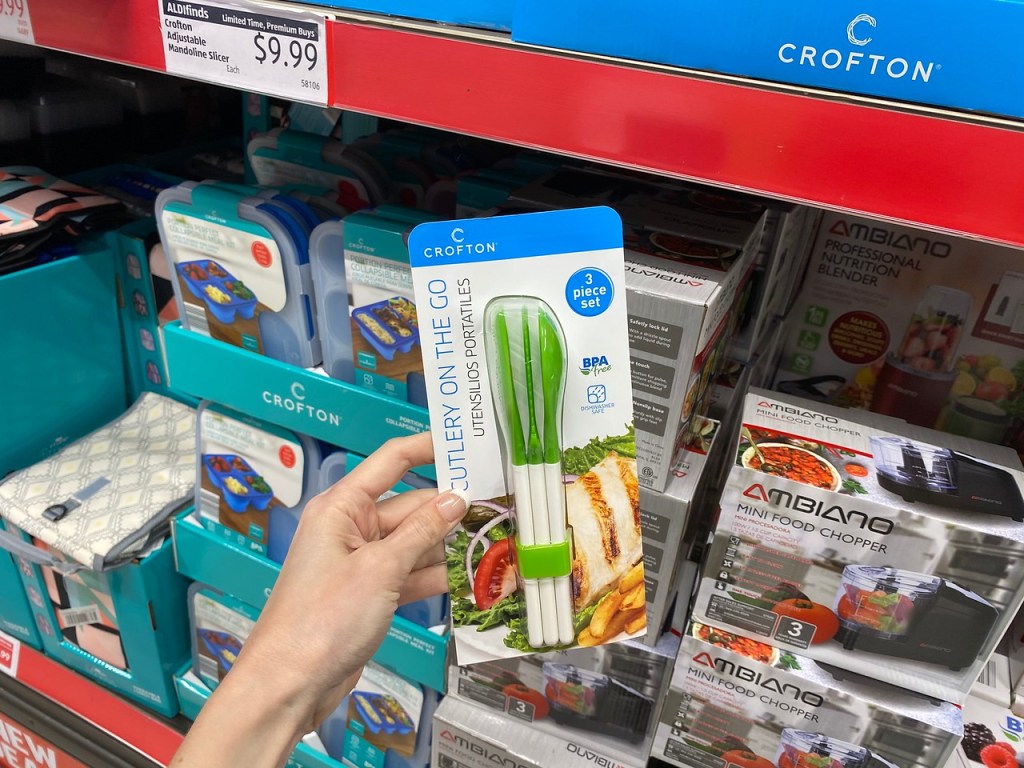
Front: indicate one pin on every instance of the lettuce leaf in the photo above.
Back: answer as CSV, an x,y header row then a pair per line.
x,y
466,614
580,460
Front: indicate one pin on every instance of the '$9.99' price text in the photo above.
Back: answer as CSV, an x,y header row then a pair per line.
x,y
269,49
13,8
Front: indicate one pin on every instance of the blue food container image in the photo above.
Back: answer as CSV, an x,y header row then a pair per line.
x,y
207,279
219,644
380,321
222,468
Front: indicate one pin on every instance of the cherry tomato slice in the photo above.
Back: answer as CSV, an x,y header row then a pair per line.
x,y
495,577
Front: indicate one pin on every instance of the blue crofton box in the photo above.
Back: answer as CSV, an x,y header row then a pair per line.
x,y
193,694
486,14
942,52
16,617
416,652
126,628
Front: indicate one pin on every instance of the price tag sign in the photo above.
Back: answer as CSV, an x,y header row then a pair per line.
x,y
10,650
15,23
253,47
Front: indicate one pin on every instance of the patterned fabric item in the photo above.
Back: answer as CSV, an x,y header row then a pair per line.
x,y
105,498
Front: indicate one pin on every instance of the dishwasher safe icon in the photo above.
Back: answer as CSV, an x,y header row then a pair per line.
x,y
597,393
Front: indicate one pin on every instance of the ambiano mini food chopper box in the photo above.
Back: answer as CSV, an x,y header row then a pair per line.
x,y
993,736
253,479
928,328
894,553
606,697
526,358
736,703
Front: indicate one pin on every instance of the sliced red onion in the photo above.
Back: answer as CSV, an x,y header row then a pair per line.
x,y
490,505
481,535
569,479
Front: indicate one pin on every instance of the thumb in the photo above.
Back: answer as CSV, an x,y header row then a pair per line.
x,y
425,528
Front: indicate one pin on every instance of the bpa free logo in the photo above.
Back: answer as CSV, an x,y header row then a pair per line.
x,y
595,365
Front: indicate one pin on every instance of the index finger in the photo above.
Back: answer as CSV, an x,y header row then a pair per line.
x,y
386,466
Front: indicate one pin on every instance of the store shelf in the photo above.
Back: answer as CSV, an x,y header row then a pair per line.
x,y
311,403
150,735
944,170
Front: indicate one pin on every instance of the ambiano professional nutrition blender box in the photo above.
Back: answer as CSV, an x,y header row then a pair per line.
x,y
736,703
894,553
925,327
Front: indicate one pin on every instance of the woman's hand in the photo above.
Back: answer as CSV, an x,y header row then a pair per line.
x,y
352,563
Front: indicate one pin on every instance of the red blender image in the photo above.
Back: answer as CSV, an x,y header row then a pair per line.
x,y
917,377
805,749
912,616
926,473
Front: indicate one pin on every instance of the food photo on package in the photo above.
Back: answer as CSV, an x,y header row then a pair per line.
x,y
526,360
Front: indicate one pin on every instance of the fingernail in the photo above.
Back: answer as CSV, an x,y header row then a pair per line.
x,y
452,505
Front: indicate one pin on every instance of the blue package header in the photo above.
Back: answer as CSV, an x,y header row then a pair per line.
x,y
516,236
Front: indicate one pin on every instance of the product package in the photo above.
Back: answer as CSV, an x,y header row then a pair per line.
x,y
16,618
736,703
664,517
1015,655
220,626
281,158
867,544
385,721
365,301
241,269
525,351
606,697
910,324
253,479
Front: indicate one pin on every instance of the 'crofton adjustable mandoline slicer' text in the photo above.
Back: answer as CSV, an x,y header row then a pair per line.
x,y
856,540
240,268
522,320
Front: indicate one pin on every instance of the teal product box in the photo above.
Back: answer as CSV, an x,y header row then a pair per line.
x,y
893,50
16,618
220,624
207,558
193,694
484,14
282,157
253,479
240,269
300,400
386,349
126,628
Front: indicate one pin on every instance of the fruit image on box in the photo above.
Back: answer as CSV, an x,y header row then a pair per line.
x,y
737,703
872,550
240,268
253,479
920,327
529,376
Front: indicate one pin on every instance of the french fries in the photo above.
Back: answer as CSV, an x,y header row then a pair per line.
x,y
622,610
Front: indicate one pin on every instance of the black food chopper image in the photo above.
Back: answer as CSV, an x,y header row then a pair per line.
x,y
595,702
912,616
946,478
804,749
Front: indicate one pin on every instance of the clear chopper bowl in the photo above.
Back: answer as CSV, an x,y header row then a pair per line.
x,y
914,464
882,599
573,689
806,749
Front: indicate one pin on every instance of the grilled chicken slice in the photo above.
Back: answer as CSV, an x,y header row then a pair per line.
x,y
604,511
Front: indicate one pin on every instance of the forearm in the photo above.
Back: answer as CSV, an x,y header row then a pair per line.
x,y
249,722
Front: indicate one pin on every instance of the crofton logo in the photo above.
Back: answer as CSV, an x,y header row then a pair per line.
x,y
295,402
874,64
459,247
